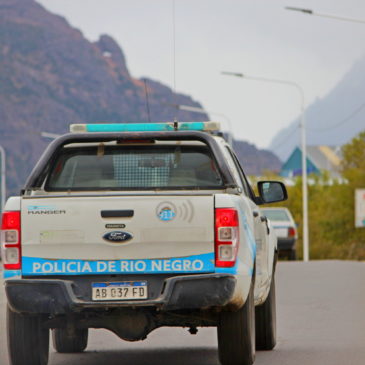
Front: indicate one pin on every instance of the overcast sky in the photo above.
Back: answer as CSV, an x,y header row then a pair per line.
x,y
256,37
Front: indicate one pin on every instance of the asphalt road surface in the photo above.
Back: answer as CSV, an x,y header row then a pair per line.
x,y
321,321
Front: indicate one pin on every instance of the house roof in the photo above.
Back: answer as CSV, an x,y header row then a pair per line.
x,y
325,158
318,158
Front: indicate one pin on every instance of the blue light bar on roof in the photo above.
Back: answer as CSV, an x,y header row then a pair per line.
x,y
145,127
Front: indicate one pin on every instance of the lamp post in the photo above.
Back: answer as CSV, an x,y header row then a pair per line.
x,y
331,16
3,178
203,111
303,148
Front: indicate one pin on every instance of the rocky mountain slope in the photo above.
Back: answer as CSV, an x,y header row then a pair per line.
x,y
51,76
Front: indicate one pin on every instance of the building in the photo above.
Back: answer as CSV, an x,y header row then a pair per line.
x,y
319,159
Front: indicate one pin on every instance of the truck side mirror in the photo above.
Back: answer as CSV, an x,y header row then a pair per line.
x,y
272,191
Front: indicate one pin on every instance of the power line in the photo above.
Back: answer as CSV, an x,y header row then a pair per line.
x,y
343,121
282,140
147,100
174,51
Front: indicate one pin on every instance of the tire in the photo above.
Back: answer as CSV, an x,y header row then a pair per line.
x,y
28,342
67,340
236,334
265,319
292,255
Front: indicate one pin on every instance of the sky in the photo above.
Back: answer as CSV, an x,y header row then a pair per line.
x,y
256,37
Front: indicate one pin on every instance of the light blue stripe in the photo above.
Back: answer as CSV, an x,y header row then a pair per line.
x,y
8,274
193,264
129,127
144,127
250,239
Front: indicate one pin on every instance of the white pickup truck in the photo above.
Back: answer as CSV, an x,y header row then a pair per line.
x,y
131,227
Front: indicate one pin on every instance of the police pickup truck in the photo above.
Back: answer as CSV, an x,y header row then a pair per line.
x,y
131,227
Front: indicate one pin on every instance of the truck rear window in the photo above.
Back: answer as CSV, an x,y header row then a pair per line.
x,y
134,168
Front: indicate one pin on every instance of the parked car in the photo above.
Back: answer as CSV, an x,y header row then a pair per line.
x,y
285,229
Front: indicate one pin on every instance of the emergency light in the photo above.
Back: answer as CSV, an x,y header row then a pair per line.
x,y
145,127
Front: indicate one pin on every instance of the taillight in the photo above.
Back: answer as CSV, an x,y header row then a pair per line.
x,y
291,232
226,237
11,240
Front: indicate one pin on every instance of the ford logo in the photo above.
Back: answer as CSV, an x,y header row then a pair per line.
x,y
117,236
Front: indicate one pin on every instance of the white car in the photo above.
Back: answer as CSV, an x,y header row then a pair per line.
x,y
131,227
285,229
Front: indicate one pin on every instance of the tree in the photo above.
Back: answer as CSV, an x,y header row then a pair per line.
x,y
332,232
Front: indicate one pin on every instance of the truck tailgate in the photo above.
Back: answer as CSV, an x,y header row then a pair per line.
x,y
117,234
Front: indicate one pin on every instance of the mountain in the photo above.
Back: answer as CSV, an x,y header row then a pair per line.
x,y
332,120
51,76
255,161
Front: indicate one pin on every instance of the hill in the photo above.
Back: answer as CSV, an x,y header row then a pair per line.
x,y
51,76
333,120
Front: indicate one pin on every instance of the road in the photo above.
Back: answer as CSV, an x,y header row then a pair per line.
x,y
321,321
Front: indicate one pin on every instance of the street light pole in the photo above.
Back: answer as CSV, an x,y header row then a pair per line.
x,y
3,178
330,16
303,148
50,135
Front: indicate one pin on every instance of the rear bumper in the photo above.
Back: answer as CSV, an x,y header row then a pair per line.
x,y
286,244
54,296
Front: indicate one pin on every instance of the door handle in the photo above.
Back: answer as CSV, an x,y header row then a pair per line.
x,y
127,213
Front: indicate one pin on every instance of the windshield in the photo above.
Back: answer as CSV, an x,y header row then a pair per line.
x,y
276,214
128,167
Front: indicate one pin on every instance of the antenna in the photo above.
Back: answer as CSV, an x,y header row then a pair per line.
x,y
147,100
174,55
174,42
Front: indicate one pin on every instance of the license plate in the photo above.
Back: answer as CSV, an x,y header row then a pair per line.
x,y
126,290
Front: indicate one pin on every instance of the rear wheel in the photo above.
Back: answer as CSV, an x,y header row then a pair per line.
x,y
266,321
236,334
69,340
28,341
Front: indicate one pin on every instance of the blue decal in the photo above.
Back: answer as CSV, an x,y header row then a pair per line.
x,y
8,274
41,207
192,264
166,214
